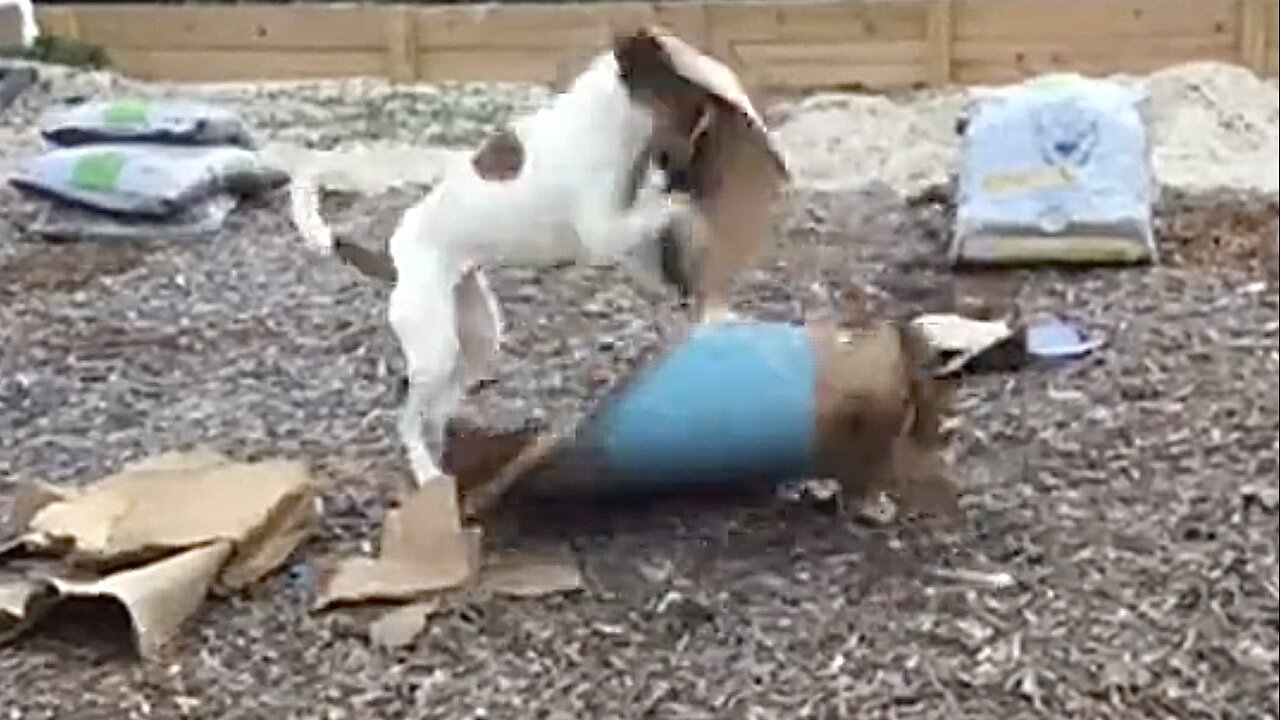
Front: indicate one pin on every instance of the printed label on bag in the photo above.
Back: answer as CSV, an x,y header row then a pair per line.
x,y
126,113
99,172
1015,182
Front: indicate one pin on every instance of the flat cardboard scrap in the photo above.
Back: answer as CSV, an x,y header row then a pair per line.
x,y
398,627
529,574
424,549
154,538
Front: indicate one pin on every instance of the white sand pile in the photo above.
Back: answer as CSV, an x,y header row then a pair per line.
x,y
1215,125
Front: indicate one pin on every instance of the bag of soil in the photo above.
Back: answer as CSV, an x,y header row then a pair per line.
x,y
1057,170
143,120
58,222
150,181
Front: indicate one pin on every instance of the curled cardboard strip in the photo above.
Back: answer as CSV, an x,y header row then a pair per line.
x,y
426,549
154,538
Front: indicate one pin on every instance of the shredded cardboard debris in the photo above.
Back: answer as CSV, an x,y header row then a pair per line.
x,y
1001,345
400,626
951,333
532,574
28,500
154,537
424,549
158,596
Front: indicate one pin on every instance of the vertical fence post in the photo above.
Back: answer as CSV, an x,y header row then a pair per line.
x,y
1253,35
402,44
938,35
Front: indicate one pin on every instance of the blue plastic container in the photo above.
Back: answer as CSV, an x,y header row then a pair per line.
x,y
735,403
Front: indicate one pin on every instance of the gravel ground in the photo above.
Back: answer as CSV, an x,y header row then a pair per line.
x,y
1132,495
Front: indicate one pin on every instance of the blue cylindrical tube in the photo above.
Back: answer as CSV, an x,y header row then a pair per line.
x,y
736,402
751,404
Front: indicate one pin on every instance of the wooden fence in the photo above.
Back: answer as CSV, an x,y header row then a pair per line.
x,y
787,44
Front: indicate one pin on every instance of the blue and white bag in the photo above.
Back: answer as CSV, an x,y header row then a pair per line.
x,y
1058,169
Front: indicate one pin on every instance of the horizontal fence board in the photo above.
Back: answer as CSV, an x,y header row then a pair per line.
x,y
888,52
550,26
1273,39
806,21
1038,19
1065,53
216,66
788,44
870,64
1029,60
462,65
805,76
236,27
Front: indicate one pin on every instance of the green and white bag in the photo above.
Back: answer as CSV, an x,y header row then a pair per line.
x,y
180,122
154,181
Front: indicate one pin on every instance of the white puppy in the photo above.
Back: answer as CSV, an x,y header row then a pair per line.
x,y
562,185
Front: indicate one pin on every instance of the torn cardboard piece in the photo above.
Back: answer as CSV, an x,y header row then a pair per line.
x,y
973,345
159,596
182,500
400,626
154,538
527,574
424,549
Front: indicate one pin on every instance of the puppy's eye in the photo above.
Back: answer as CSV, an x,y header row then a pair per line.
x,y
663,160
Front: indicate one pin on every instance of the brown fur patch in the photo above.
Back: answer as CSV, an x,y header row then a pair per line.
x,y
732,175
878,419
650,77
736,181
500,158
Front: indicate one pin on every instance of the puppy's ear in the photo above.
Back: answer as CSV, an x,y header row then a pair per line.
x,y
642,61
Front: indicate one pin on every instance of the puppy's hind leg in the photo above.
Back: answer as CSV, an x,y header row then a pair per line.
x,y
422,313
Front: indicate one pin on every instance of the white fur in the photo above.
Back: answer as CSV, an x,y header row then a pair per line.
x,y
566,204
27,12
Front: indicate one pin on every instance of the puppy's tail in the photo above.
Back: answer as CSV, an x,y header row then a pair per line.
x,y
304,211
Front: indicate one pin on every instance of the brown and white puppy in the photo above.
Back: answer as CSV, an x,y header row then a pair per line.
x,y
556,187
